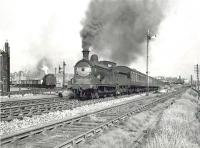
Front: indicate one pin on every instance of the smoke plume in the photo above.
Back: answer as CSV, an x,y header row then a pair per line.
x,y
118,27
42,68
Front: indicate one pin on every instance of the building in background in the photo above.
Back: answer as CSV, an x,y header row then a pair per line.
x,y
59,79
171,80
5,68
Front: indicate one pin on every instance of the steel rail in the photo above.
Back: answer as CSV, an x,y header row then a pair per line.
x,y
44,105
14,103
31,91
198,92
9,113
10,103
78,139
48,127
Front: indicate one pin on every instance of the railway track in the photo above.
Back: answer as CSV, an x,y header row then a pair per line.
x,y
69,132
14,103
27,108
30,107
30,91
198,92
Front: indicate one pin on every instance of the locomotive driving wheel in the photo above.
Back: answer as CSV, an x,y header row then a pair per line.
x,y
94,95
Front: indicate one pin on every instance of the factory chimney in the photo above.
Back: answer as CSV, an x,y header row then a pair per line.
x,y
7,50
5,68
86,54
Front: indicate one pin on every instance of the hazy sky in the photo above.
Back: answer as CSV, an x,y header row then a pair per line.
x,y
36,28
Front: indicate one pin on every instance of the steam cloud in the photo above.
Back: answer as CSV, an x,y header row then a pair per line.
x,y
43,65
118,27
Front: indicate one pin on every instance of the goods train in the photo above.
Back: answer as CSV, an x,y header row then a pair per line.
x,y
94,79
48,81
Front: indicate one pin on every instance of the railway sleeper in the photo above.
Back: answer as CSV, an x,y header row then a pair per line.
x,y
92,123
38,113
81,126
8,118
15,113
34,110
104,114
25,113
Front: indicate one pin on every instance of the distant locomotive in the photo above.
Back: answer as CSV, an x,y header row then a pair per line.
x,y
48,81
94,79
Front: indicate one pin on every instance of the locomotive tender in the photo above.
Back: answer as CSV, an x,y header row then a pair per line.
x,y
94,78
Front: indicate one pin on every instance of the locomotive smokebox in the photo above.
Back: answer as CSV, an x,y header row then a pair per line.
x,y
86,54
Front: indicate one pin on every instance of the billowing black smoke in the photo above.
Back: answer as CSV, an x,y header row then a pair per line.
x,y
118,27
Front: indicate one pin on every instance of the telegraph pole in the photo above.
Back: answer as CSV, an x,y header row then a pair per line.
x,y
191,81
20,82
64,73
147,71
196,69
149,37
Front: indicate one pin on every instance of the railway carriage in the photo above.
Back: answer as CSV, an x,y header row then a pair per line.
x,y
48,81
93,78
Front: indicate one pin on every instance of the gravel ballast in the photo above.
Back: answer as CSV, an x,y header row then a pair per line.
x,y
17,125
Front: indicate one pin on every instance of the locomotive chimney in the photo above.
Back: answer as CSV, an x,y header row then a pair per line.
x,y
86,54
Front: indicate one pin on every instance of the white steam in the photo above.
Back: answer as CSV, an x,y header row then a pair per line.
x,y
45,69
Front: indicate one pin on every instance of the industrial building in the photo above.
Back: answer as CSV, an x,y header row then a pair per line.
x,y
5,68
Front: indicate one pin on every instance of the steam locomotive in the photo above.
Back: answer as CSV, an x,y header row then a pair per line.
x,y
94,79
48,81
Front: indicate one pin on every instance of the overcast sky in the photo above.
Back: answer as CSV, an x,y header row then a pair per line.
x,y
37,27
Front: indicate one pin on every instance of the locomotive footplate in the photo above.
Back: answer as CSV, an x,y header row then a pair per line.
x,y
93,91
90,86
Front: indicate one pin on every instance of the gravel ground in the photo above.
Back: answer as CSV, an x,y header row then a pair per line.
x,y
38,120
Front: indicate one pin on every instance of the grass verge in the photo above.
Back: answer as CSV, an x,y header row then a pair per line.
x,y
178,127
126,133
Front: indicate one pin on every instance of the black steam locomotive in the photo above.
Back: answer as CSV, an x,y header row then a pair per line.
x,y
48,81
94,79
